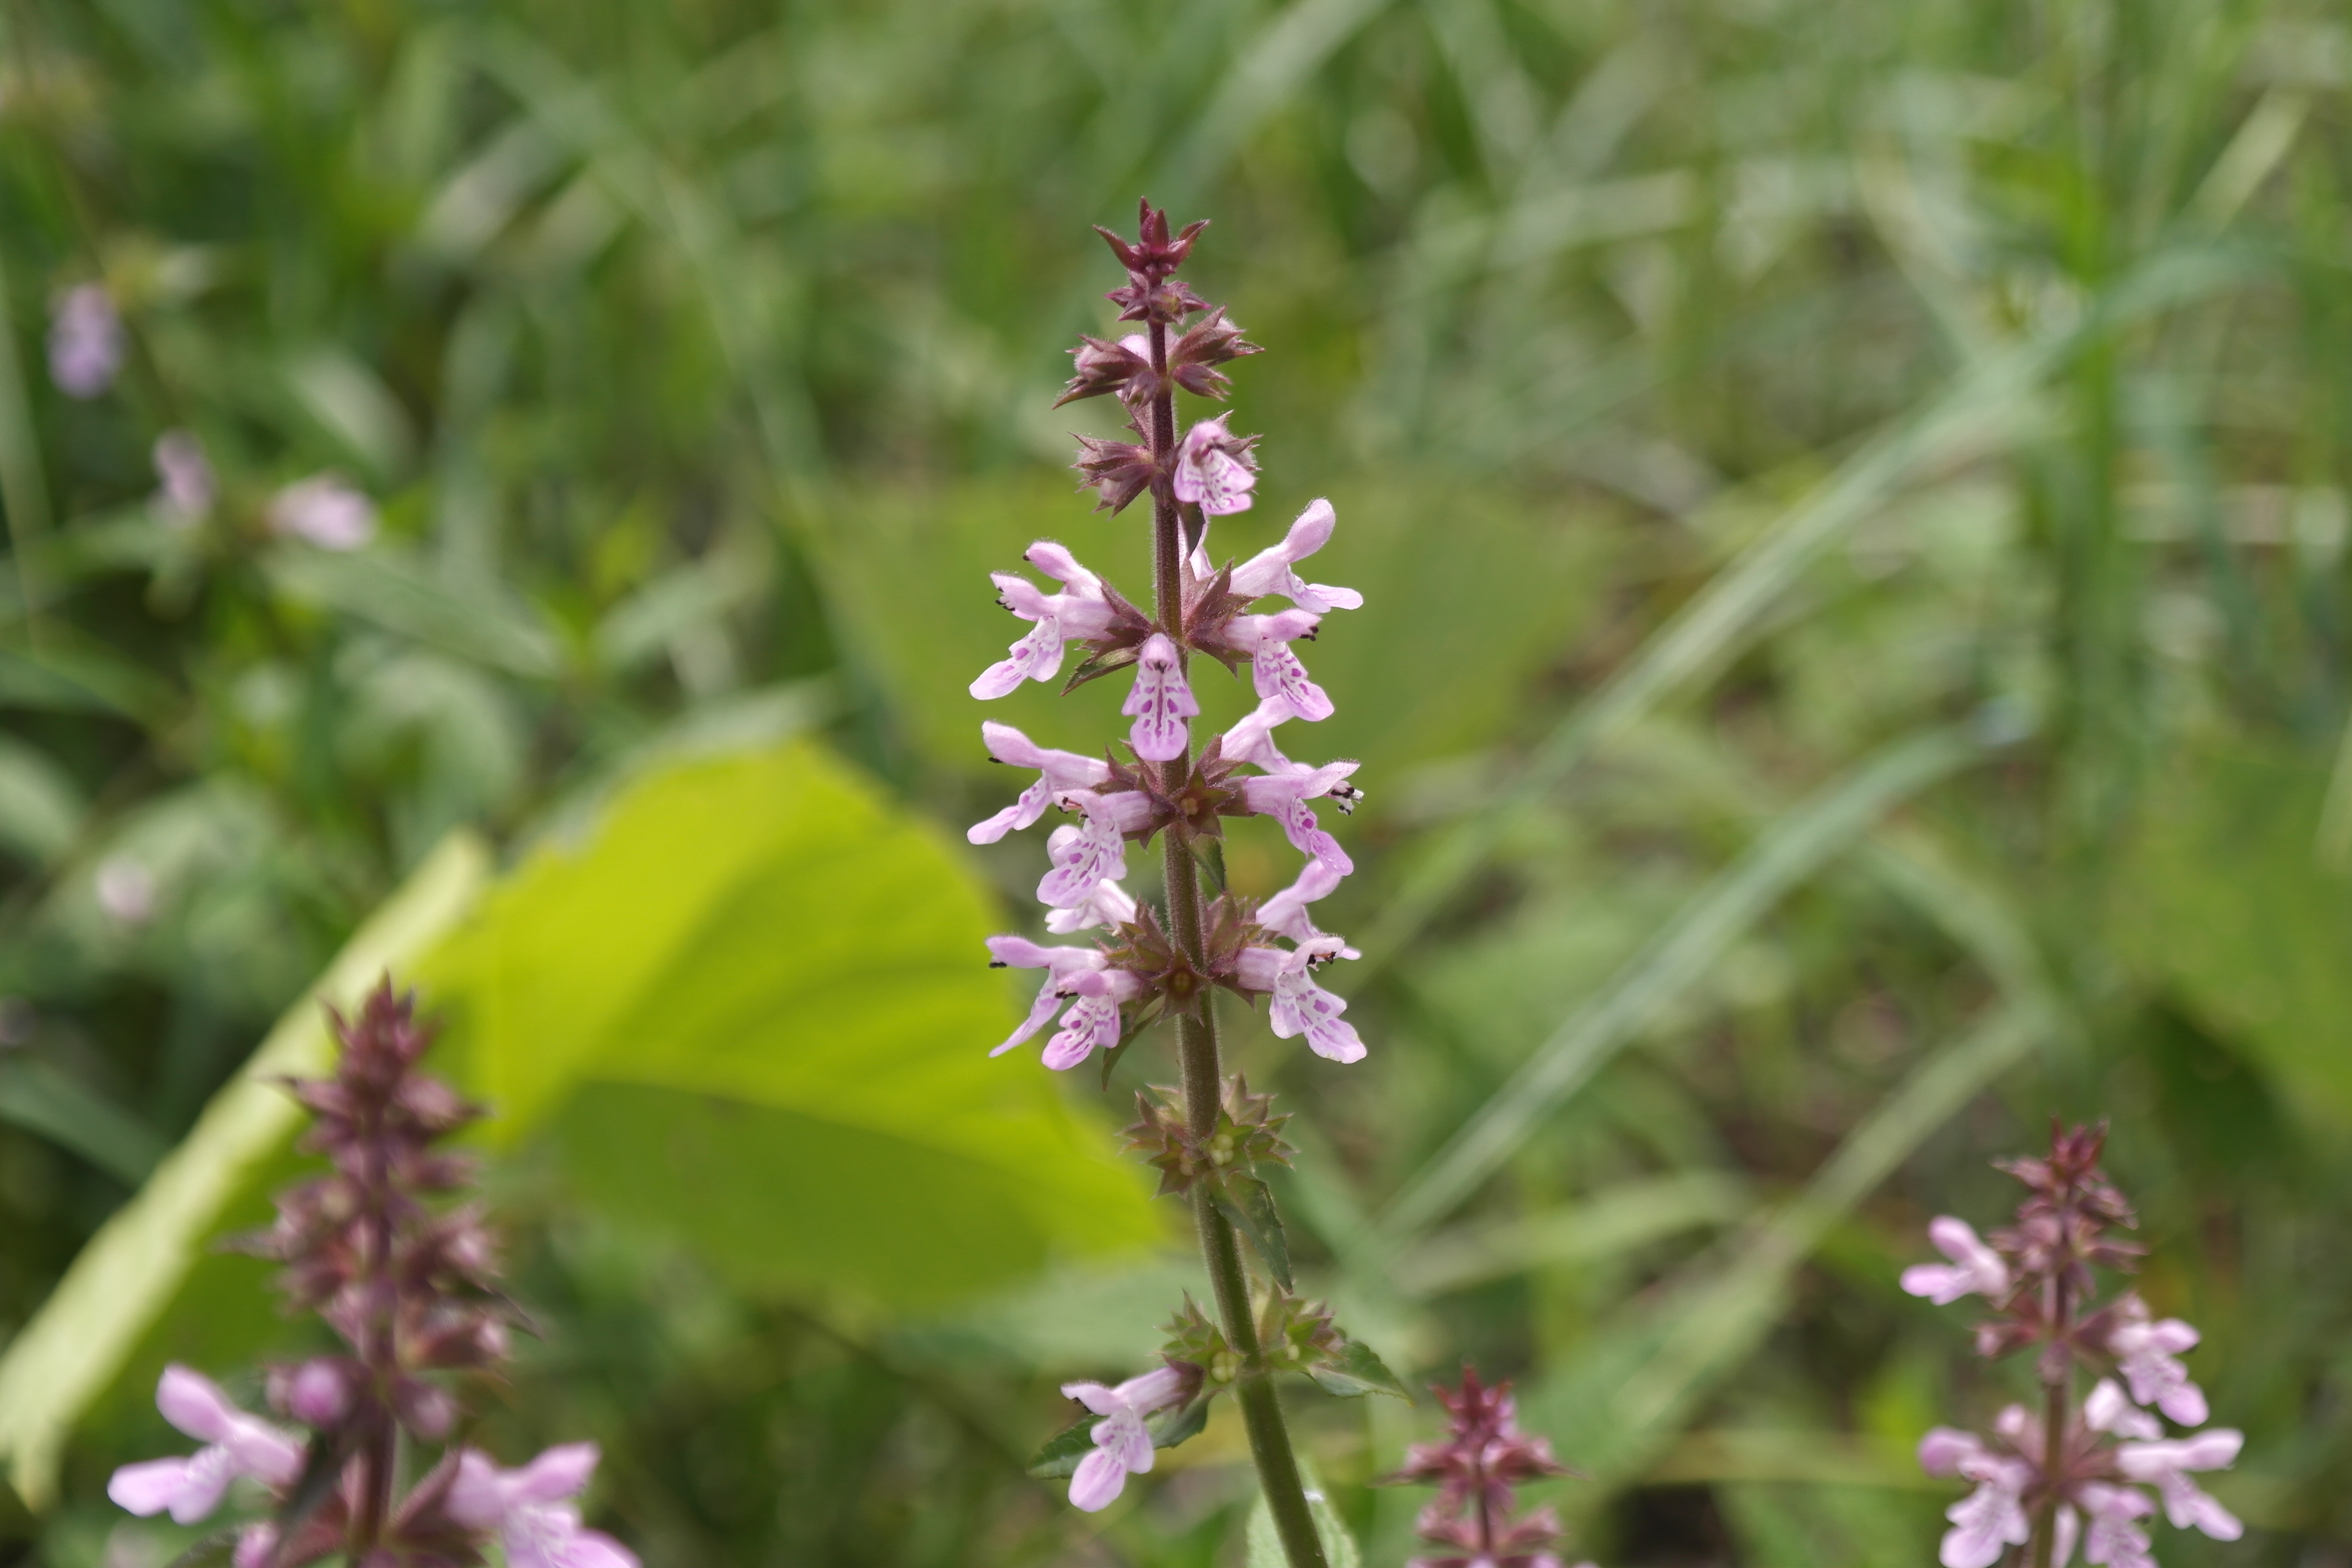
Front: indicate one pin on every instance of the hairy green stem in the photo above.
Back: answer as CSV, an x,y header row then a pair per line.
x,y
2054,1432
1196,1042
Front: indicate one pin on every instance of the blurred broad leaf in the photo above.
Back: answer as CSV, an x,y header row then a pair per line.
x,y
748,1008
755,1008
2226,900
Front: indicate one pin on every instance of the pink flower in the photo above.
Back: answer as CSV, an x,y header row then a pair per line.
x,y
85,342
1160,703
236,1444
1079,613
1945,1449
1252,740
2165,1465
1975,1269
1275,670
1270,570
2106,1410
1299,1007
1084,855
2148,1355
1284,797
325,512
1215,470
1079,976
1122,1445
1057,772
1991,1519
1285,914
1110,905
2114,1538
525,1507
185,496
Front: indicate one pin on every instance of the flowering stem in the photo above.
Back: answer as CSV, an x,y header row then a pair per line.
x,y
373,1234
1196,1037
2053,1430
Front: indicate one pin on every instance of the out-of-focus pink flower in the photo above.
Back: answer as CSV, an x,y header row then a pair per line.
x,y
125,890
1975,1269
1990,1520
1122,1445
1160,703
2147,1354
236,1444
1215,470
185,495
86,341
527,1508
323,511
2165,1466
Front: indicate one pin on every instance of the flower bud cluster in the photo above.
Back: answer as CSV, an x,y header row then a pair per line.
x,y
1482,1458
411,1288
1247,1132
2082,1470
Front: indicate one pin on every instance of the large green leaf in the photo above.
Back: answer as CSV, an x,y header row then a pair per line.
x,y
2226,900
748,1008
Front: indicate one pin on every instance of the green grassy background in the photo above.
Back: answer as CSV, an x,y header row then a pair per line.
x,y
1852,502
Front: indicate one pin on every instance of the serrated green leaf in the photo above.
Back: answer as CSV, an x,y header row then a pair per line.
x,y
1099,665
1353,1370
1265,1544
1246,1202
1061,1453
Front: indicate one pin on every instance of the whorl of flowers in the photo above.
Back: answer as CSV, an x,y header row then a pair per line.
x,y
408,1281
1483,1457
2071,1474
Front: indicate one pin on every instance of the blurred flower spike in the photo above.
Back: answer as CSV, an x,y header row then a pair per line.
x,y
2071,1474
1476,1468
1149,962
408,1281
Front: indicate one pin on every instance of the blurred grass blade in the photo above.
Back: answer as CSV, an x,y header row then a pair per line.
x,y
39,1099
41,807
1719,1322
24,493
1988,404
66,1354
1272,65
1619,1219
1792,849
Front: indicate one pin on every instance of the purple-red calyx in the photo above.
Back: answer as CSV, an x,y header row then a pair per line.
x,y
2110,1464
408,1279
1477,1467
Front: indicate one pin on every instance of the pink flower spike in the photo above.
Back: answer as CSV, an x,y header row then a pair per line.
x,y
238,1444
1215,470
1122,1443
1975,1269
2147,1354
1085,857
1270,570
1160,702
538,1529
